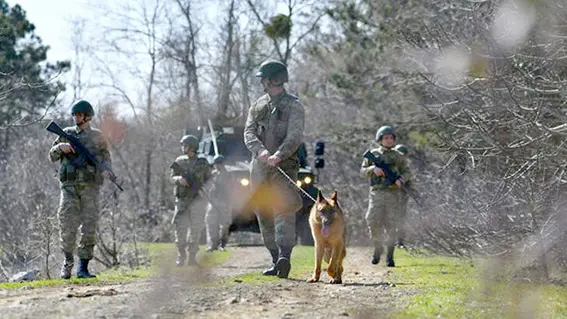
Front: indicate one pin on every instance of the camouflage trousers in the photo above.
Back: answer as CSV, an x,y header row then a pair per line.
x,y
189,222
277,202
383,215
78,206
402,227
218,221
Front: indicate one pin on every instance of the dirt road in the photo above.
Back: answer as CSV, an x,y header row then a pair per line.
x,y
366,293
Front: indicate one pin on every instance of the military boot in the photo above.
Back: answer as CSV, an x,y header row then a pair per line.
x,y
181,255
211,248
390,256
272,271
222,244
377,253
67,267
283,265
83,271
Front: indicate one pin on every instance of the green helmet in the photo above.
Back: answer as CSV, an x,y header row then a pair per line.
x,y
82,107
273,70
191,141
218,159
386,129
401,148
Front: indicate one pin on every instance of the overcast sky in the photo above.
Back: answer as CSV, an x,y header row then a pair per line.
x,y
54,20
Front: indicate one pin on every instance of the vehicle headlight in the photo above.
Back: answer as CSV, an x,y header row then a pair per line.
x,y
244,182
307,180
298,183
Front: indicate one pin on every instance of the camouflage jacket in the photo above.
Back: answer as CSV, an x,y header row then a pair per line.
x,y
73,172
393,158
275,124
222,185
196,166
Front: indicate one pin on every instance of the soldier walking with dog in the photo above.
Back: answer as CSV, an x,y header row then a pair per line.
x,y
273,133
384,209
188,173
80,182
219,216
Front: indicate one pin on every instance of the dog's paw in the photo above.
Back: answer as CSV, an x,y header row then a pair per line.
x,y
312,280
336,281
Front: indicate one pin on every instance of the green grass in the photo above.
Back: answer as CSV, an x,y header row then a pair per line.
x,y
443,287
161,258
302,266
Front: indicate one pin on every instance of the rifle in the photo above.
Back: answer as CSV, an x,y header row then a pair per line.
x,y
391,176
82,151
194,186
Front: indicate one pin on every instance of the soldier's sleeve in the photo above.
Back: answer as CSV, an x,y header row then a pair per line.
x,y
251,140
366,169
294,136
405,174
202,172
106,159
173,175
55,153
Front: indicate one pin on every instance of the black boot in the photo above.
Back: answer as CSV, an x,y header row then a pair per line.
x,y
83,271
272,271
222,244
390,258
377,253
283,264
67,267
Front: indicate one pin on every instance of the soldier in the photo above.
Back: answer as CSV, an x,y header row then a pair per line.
x,y
80,184
189,206
219,216
402,149
384,199
273,133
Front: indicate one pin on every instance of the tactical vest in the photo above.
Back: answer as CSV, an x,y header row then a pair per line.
x,y
74,168
389,157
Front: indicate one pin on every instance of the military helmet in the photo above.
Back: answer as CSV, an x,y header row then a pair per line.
x,y
386,129
273,70
82,107
218,159
190,140
401,148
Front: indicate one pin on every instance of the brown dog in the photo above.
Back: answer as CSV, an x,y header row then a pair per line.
x,y
328,227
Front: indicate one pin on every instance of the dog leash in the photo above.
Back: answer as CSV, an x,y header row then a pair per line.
x,y
293,182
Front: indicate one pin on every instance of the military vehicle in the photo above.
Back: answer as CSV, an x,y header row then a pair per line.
x,y
230,143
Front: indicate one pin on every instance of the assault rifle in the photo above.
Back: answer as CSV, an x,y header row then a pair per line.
x,y
391,176
84,155
194,186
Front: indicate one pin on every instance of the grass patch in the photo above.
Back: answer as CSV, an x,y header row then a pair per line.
x,y
455,288
160,255
301,267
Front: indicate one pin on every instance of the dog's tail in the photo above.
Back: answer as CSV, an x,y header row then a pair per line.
x,y
327,255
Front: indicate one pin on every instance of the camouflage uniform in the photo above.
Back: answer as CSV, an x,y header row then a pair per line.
x,y
189,208
80,187
404,198
384,208
219,217
276,124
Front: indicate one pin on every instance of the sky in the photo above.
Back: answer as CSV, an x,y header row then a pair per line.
x,y
54,20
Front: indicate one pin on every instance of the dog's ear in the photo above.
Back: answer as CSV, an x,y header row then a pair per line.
x,y
320,197
334,196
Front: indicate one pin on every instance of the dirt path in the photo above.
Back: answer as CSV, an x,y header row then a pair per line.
x,y
364,294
